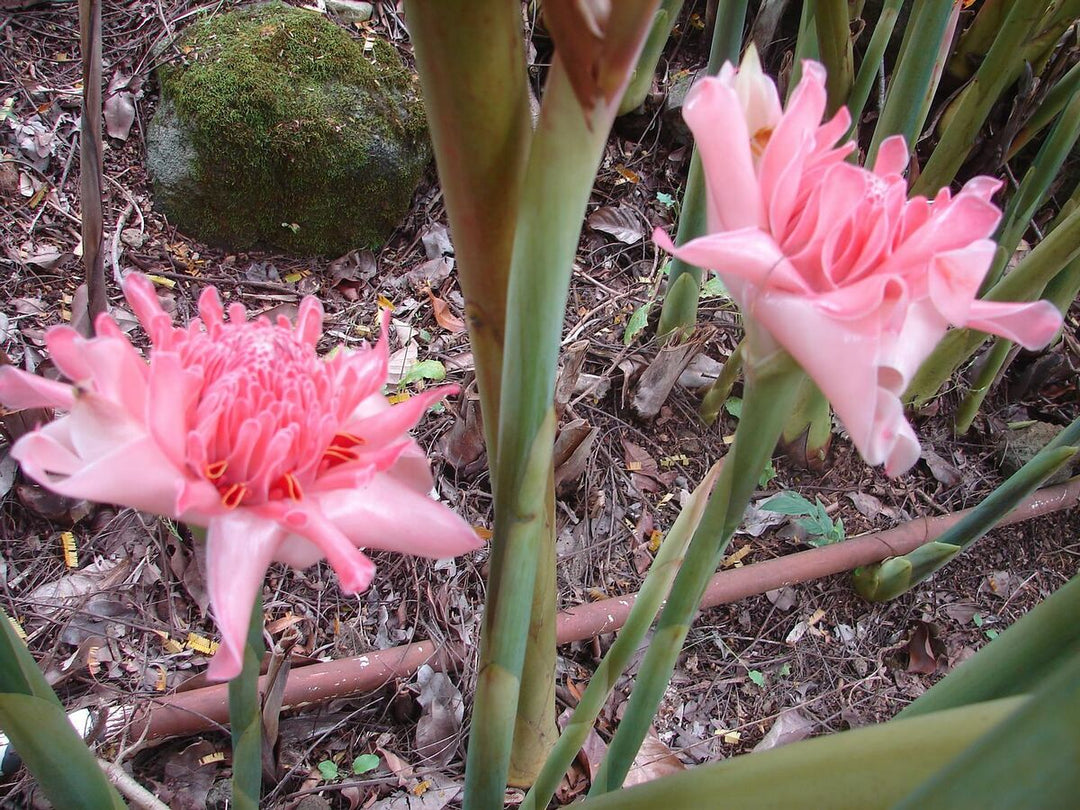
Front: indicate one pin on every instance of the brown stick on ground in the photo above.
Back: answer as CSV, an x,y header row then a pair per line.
x,y
202,709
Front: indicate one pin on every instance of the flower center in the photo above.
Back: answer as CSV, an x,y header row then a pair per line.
x,y
265,416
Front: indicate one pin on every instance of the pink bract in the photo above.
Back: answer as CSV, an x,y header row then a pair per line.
x,y
856,281
239,426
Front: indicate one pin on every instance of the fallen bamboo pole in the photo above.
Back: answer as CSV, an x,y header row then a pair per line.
x,y
202,709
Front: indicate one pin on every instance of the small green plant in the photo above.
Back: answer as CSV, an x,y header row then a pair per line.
x,y
821,530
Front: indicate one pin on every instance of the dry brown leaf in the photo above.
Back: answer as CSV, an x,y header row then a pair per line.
x,y
922,657
619,221
439,726
94,578
790,726
445,318
653,760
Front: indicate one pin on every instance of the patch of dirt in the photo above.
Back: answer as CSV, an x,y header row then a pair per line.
x,y
125,622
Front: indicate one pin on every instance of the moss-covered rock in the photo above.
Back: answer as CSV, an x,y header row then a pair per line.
x,y
278,129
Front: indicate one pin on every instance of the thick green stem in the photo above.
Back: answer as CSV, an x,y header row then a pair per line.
x,y
641,80
771,387
679,313
477,101
835,47
535,728
872,62
245,718
555,192
914,74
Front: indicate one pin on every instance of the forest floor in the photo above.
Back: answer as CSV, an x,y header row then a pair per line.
x,y
123,621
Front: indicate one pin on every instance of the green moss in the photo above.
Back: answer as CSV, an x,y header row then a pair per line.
x,y
319,130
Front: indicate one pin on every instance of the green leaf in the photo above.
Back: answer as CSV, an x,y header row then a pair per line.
x,y
365,763
424,370
68,774
638,321
767,475
756,676
329,769
788,503
665,200
733,405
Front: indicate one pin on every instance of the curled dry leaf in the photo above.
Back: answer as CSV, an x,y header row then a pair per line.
x,y
619,221
445,318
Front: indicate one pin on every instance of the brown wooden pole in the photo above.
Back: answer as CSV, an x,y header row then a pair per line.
x,y
202,709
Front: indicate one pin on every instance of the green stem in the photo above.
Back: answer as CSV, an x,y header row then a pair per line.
x,y
872,62
771,386
679,313
641,80
1054,102
988,370
646,604
245,718
1001,67
835,47
806,45
720,390
555,192
913,76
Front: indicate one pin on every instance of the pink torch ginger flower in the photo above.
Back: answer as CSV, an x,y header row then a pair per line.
x,y
240,427
857,282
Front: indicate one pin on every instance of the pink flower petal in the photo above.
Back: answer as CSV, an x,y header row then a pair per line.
x,y
239,549
390,514
734,199
1032,325
747,254
20,390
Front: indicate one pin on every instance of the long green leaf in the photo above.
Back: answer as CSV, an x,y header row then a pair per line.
x,y
1001,67
913,76
35,721
1031,761
646,604
871,64
772,385
245,718
641,80
865,769
834,44
65,769
898,575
